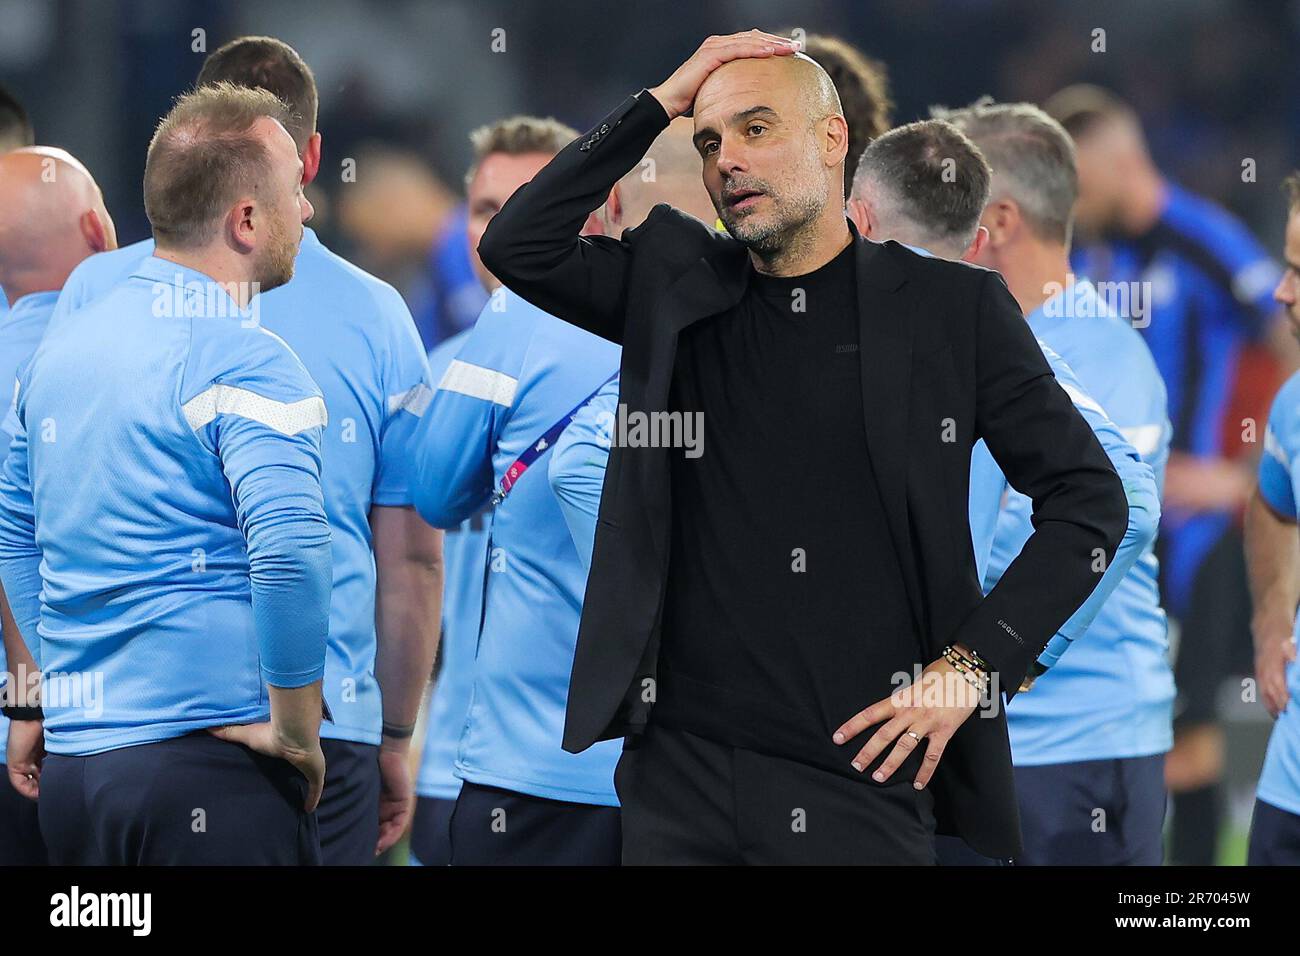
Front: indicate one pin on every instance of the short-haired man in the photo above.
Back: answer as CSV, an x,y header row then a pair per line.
x,y
507,154
1273,559
355,336
748,608
1068,763
517,379
20,841
178,603
581,455
924,185
52,216
1200,289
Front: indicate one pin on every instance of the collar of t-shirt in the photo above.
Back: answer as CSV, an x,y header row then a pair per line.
x,y
832,275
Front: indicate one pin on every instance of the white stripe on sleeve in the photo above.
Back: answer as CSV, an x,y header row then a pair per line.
x,y
479,382
1145,438
414,400
1082,399
1274,447
288,418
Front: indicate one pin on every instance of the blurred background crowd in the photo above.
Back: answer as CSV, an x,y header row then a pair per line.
x,y
403,82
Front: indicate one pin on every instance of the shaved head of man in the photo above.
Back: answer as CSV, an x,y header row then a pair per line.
x,y
773,140
669,173
52,216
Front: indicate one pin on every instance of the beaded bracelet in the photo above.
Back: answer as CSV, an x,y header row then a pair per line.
x,y
969,670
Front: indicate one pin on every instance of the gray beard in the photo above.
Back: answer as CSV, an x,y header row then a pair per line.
x,y
778,243
778,239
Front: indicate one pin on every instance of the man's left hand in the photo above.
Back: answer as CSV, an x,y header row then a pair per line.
x,y
930,709
396,795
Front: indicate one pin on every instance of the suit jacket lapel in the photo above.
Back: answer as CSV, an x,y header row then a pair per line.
x,y
885,350
713,284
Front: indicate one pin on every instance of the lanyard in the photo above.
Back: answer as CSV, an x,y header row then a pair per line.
x,y
513,474
539,447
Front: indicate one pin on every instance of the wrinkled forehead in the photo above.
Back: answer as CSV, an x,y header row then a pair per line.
x,y
742,85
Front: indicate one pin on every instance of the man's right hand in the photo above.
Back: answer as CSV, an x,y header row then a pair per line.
x,y
305,755
1274,649
25,754
677,93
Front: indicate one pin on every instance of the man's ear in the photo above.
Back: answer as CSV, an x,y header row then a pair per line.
x,y
94,231
977,245
311,159
241,225
860,212
837,140
1002,222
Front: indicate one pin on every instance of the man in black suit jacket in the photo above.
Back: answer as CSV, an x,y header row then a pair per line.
x,y
745,604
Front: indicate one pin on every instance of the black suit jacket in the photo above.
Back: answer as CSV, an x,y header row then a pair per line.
x,y
947,359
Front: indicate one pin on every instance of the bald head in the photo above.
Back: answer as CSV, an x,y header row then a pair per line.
x,y
668,173
773,141
52,216
798,80
815,86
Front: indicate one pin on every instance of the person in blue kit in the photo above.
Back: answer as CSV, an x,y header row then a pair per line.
x,y
507,154
177,604
1089,744
1273,559
516,380
523,800
1198,286
464,554
1058,784
52,216
356,338
580,455
578,463
20,838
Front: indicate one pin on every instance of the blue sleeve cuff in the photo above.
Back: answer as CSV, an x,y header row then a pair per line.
x,y
1275,486
292,680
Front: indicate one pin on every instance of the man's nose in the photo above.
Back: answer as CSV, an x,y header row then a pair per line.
x,y
731,157
1283,293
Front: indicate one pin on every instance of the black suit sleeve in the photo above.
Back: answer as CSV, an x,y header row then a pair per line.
x,y
533,244
1048,453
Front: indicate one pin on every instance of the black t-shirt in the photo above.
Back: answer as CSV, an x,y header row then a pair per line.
x,y
785,611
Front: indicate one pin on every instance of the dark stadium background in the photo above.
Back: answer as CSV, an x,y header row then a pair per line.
x,y
403,82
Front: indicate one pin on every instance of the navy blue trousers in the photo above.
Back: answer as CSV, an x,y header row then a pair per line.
x,y
431,831
348,814
192,800
1274,837
495,827
20,828
1090,813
